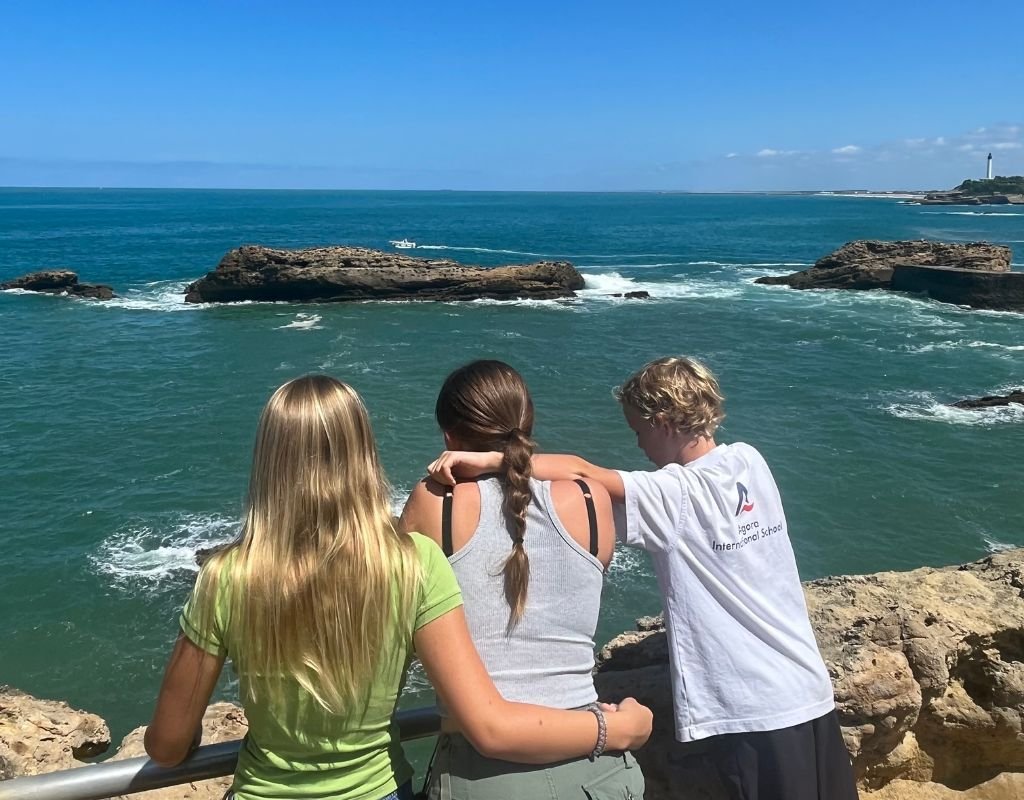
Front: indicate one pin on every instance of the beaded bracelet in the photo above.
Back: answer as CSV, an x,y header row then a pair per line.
x,y
602,731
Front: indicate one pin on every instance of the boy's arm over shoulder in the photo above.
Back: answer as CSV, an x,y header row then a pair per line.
x,y
653,508
552,467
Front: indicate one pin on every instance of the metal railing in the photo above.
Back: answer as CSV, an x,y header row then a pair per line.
x,y
111,778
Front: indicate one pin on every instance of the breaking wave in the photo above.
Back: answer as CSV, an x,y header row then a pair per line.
x,y
155,550
303,322
923,406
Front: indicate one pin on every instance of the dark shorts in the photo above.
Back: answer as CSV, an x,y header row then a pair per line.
x,y
808,761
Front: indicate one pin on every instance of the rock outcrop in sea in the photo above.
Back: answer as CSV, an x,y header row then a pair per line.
x,y
927,667
992,400
869,264
960,199
995,291
59,281
330,274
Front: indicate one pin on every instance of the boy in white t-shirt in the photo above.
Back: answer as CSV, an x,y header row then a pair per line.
x,y
746,671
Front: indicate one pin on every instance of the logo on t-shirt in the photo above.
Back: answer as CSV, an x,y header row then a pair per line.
x,y
745,503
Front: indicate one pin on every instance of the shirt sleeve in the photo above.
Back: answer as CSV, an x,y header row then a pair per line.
x,y
441,591
654,507
202,620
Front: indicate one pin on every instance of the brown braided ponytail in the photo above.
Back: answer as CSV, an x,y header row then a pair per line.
x,y
516,488
486,406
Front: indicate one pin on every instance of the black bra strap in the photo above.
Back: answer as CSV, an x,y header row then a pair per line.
x,y
446,523
588,498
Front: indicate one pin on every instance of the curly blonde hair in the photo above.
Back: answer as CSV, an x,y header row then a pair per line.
x,y
677,390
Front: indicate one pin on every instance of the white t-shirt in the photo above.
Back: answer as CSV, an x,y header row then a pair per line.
x,y
741,648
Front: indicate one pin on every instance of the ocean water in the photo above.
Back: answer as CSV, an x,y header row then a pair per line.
x,y
126,427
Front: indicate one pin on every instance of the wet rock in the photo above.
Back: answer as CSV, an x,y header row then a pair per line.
x,y
59,281
996,291
992,401
869,264
203,553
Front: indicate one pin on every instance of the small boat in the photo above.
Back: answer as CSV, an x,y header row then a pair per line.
x,y
402,244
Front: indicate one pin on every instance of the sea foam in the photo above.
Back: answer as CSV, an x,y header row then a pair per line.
x,y
598,256
157,549
924,407
600,286
962,344
993,545
978,213
303,322
154,296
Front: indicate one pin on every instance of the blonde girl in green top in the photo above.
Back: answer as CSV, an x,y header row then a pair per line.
x,y
320,604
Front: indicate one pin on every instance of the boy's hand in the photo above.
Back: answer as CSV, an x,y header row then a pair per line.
x,y
453,464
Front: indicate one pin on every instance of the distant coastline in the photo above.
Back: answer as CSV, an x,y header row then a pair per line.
x,y
893,195
362,190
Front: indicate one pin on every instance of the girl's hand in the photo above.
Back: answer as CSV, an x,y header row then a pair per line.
x,y
453,464
629,727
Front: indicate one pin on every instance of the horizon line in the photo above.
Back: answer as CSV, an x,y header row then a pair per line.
x,y
847,190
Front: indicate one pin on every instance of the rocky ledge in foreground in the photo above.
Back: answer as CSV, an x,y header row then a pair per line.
x,y
45,735
927,667
992,400
928,671
327,274
869,264
995,291
59,281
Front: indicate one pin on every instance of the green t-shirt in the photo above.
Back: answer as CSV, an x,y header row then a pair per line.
x,y
296,749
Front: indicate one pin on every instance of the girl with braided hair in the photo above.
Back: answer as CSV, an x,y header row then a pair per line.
x,y
520,548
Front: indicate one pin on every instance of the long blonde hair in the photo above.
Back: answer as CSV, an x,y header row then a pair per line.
x,y
487,405
318,576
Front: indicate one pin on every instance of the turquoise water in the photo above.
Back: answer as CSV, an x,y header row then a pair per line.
x,y
125,427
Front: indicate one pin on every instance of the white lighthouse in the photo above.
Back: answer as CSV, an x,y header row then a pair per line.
x,y
988,171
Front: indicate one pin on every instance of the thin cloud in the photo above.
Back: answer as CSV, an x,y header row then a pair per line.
x,y
768,152
978,141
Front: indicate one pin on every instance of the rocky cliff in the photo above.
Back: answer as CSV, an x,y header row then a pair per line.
x,y
868,264
928,670
1008,190
325,274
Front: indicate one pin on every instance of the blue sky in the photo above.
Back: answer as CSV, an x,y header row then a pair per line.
x,y
528,95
